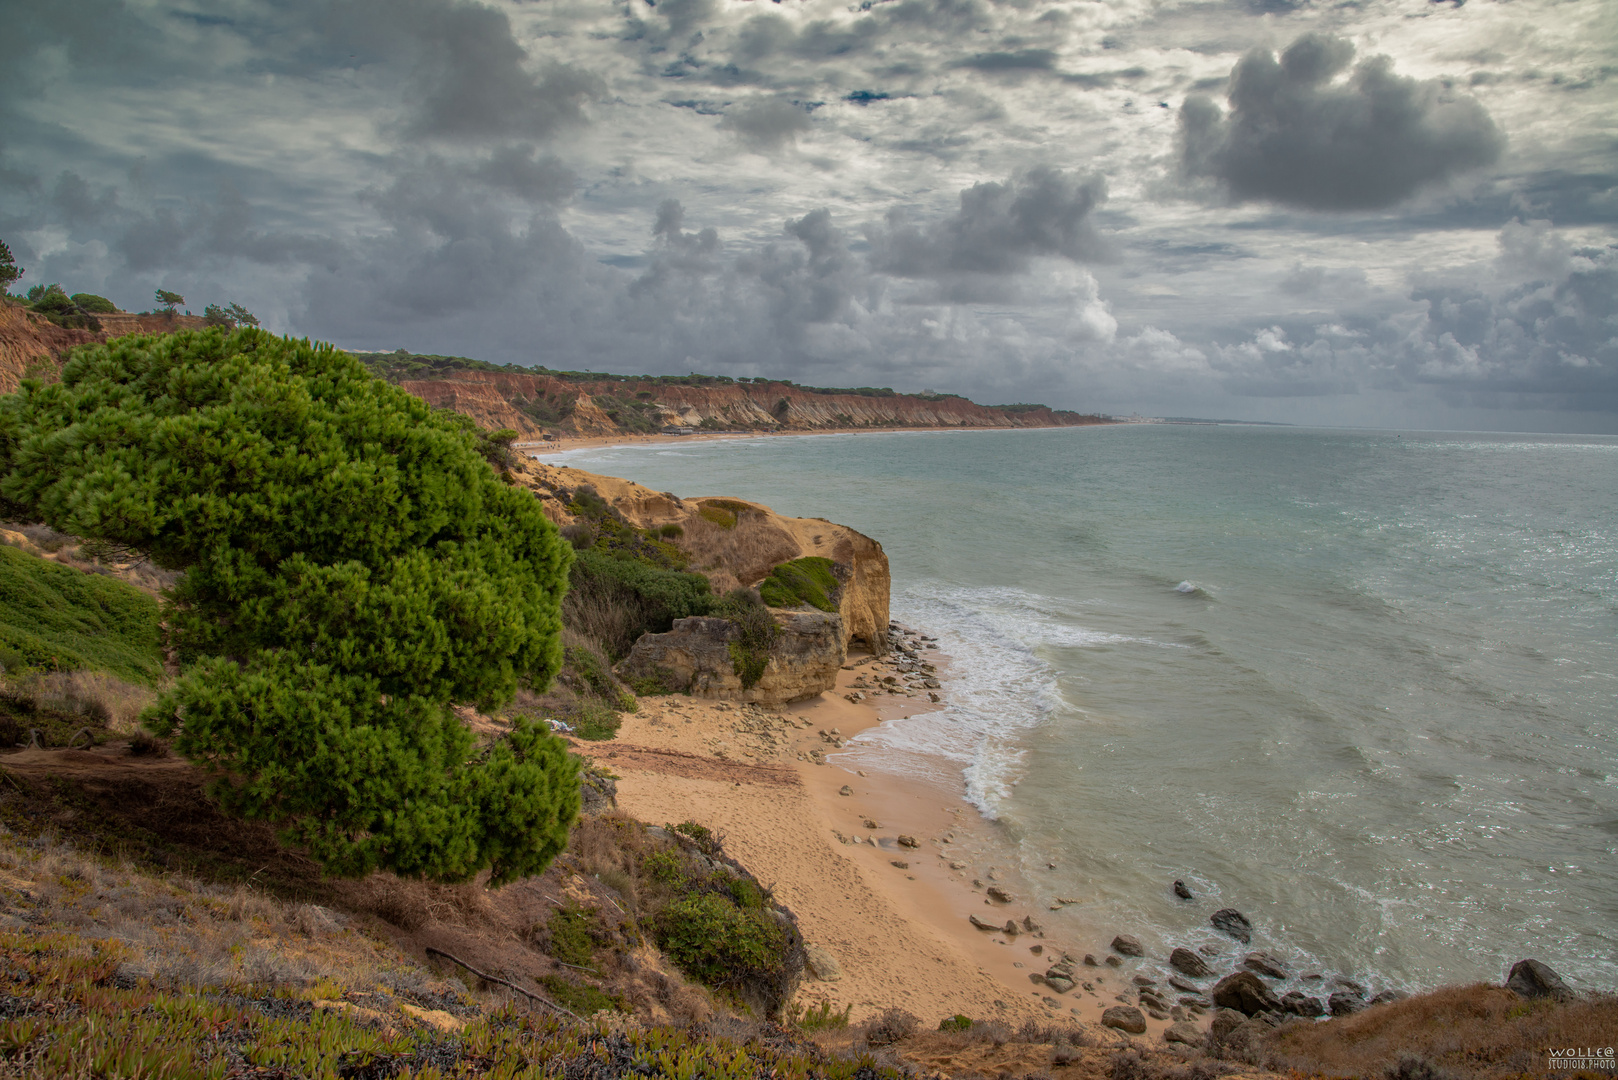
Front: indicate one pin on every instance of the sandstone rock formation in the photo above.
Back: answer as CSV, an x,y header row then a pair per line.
x,y
1246,993
746,551
695,657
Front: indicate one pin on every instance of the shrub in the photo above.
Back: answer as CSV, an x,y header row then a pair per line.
x,y
353,568
756,634
595,721
581,999
958,1022
671,531
818,1018
894,1025
615,598
719,944
95,305
703,838
809,580
571,935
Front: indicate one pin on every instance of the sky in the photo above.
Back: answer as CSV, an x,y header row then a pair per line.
x,y
1380,213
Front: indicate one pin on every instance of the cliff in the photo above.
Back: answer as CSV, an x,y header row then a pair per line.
x,y
537,402
735,542
30,342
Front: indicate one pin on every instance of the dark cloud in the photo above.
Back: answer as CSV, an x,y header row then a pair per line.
x,y
78,204
515,169
767,124
1295,136
1018,60
997,229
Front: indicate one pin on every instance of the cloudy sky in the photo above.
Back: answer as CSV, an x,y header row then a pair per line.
x,y
1379,212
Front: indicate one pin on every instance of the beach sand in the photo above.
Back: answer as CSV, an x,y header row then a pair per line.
x,y
900,935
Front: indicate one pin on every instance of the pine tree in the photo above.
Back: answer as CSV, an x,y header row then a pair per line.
x,y
9,270
353,568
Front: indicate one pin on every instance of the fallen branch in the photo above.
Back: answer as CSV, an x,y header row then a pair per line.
x,y
490,978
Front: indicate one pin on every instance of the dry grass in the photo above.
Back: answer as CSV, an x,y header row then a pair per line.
x,y
98,697
179,932
1462,1031
745,553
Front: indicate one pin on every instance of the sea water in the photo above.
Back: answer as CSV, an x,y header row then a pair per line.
x,y
1362,686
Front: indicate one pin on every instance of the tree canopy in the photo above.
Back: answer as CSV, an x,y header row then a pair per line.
x,y
9,270
353,568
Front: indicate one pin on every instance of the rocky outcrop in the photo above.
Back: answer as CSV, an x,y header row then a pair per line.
x,y
755,542
1246,993
1232,922
32,344
1532,979
1189,963
695,657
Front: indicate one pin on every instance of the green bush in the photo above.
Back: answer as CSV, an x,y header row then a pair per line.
x,y
671,531
572,934
353,568
809,580
581,999
757,632
95,305
596,721
55,617
820,1018
957,1022
719,944
618,597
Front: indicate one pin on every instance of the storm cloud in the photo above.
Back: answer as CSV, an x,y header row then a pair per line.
x,y
1297,135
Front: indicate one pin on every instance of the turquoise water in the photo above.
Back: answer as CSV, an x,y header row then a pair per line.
x,y
1361,686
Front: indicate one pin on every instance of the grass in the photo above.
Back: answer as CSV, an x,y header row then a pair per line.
x,y
1473,1031
56,618
809,580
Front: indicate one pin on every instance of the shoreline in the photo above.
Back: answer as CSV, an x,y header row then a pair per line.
x,y
541,450
900,934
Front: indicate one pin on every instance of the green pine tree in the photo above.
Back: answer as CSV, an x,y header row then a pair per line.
x,y
353,567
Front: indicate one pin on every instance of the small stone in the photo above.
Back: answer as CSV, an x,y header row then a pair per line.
x,y
901,865
1089,960
1113,961
995,892
822,964
1142,980
869,824
1036,949
1060,983
1532,979
1189,963
1125,1018
908,841
1184,985
845,790
1181,891
934,698
1387,996
1127,945
1010,929
1030,925
1300,1004
980,924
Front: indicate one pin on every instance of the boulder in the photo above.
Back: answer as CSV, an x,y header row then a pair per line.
x,y
1386,996
1265,965
1089,960
1125,1018
694,656
1225,1021
908,841
1127,945
1300,1004
1232,922
1246,993
822,964
1181,891
981,924
1183,1032
1114,961
1532,979
998,894
1058,982
1189,963
1345,1003
845,790
1184,985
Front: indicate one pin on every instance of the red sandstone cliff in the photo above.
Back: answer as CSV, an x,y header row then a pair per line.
x,y
30,342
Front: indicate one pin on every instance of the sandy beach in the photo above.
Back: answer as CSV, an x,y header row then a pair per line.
x,y
894,917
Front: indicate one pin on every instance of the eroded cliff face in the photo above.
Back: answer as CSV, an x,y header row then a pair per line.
x,y
533,404
742,553
31,343
694,657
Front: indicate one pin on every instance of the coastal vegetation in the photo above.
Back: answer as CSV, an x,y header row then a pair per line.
x,y
809,580
323,633
57,618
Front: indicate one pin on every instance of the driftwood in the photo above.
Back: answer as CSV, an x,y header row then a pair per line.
x,y
490,978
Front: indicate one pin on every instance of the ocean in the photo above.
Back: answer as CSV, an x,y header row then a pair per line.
x,y
1362,686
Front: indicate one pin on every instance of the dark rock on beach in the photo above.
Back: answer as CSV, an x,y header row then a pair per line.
x,y
1181,891
995,892
1246,993
1184,985
1300,1004
1532,979
1386,996
1189,963
1345,1003
1232,922
1125,1018
1265,965
1127,945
